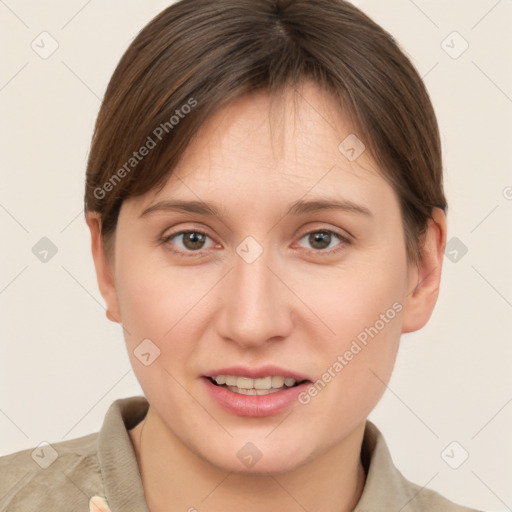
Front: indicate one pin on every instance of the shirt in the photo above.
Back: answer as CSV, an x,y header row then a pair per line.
x,y
99,473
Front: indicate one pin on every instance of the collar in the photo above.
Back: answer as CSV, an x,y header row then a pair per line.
x,y
385,487
119,469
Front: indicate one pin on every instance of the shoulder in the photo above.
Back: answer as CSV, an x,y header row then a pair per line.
x,y
387,489
51,476
423,500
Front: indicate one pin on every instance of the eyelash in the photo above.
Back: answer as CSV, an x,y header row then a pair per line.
x,y
166,240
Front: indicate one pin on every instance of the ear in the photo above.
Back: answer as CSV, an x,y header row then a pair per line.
x,y
104,267
424,279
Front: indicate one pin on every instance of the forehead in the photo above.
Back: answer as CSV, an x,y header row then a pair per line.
x,y
293,132
276,149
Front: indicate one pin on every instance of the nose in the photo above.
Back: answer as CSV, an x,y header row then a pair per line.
x,y
255,305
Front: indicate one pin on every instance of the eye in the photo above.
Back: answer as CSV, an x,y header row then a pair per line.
x,y
192,241
321,240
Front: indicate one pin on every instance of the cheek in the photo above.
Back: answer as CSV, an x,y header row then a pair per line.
x,y
351,300
367,332
158,302
150,292
153,302
362,307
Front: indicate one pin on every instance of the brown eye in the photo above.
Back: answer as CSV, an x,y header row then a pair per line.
x,y
323,239
319,240
191,241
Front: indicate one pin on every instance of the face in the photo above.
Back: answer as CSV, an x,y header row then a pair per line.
x,y
264,287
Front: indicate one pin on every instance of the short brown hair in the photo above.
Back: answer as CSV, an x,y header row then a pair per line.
x,y
198,55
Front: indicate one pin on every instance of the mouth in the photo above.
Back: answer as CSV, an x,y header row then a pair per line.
x,y
258,386
255,392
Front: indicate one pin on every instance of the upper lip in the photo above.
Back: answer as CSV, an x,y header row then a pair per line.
x,y
257,373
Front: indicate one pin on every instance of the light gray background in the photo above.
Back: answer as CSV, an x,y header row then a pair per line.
x,y
63,363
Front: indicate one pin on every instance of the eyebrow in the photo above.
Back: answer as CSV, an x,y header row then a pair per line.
x,y
297,208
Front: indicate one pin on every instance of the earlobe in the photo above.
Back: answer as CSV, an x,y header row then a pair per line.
x,y
104,268
424,279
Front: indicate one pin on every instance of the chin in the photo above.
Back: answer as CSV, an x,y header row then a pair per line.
x,y
247,459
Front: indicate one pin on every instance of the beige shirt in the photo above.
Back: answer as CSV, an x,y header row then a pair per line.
x,y
99,473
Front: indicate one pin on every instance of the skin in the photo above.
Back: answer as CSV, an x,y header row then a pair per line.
x,y
293,306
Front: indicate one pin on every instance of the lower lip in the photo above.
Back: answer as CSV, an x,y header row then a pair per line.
x,y
254,405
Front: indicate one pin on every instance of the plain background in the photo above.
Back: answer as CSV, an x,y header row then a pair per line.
x,y
63,363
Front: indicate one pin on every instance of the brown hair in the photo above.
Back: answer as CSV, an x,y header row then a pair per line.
x,y
198,55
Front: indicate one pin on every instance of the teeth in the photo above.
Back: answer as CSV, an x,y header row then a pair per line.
x,y
248,384
263,383
244,383
230,380
277,382
252,391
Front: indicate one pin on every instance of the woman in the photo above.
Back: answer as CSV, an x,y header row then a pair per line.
x,y
265,200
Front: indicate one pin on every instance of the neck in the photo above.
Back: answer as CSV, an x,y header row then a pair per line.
x,y
175,478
